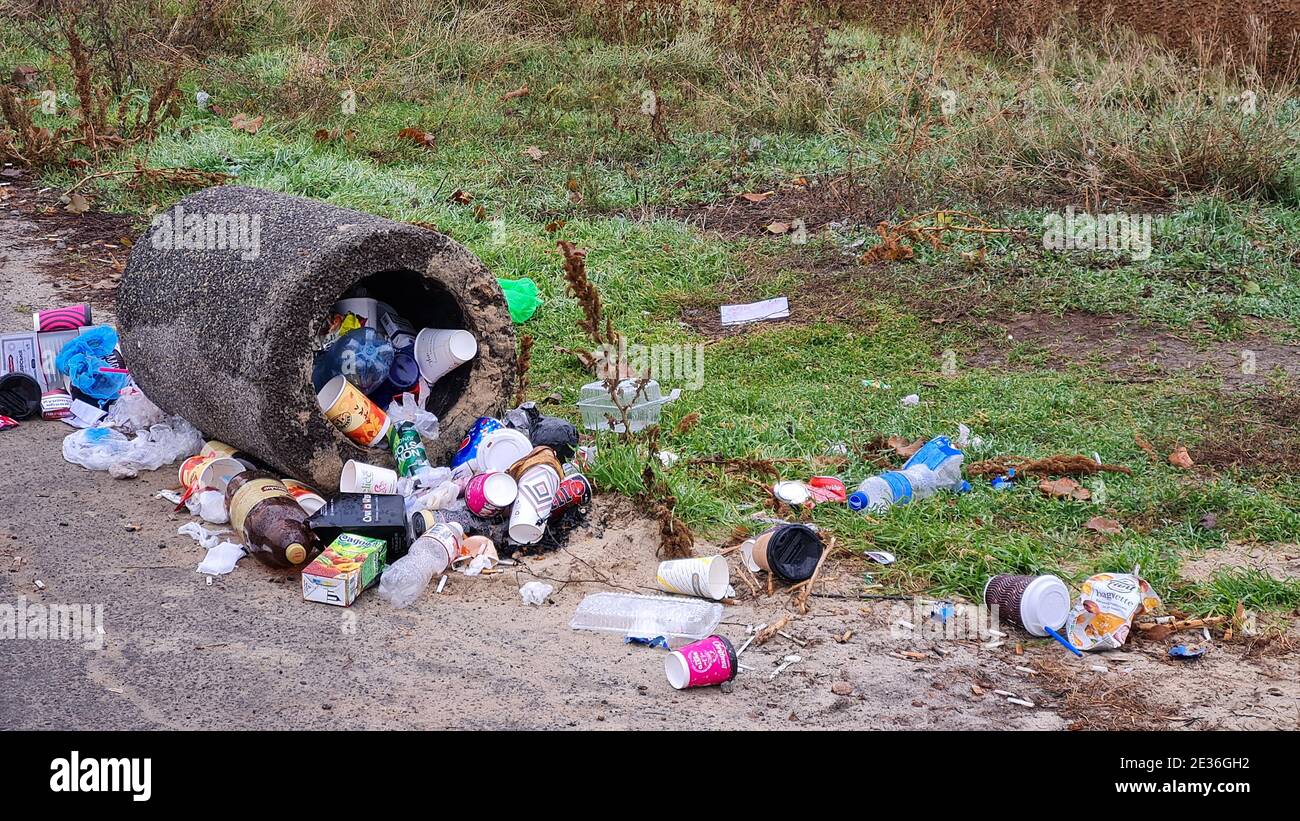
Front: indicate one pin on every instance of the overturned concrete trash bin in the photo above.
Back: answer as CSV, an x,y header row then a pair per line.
x,y
217,320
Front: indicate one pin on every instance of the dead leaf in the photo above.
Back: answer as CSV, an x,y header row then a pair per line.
x,y
689,421
77,204
534,153
522,91
1064,488
460,197
798,181
480,213
554,225
243,122
1158,633
903,447
1146,447
1180,458
778,227
325,136
418,136
1103,525
754,197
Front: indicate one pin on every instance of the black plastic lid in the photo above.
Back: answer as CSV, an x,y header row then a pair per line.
x,y
20,396
793,552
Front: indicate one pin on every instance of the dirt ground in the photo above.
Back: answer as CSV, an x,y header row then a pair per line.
x,y
244,651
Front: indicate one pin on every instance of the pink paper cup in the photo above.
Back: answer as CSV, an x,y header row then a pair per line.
x,y
701,664
488,494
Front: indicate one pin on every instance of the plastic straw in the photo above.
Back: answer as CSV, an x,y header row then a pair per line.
x,y
1064,642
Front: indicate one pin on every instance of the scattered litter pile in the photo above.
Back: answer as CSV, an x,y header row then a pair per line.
x,y
396,528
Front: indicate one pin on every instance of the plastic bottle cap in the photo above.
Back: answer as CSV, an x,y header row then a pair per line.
x,y
295,553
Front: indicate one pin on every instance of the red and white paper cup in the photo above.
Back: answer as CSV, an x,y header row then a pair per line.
x,y
56,404
488,494
701,664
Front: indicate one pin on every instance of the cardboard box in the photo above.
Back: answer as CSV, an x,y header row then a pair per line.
x,y
378,515
349,565
18,354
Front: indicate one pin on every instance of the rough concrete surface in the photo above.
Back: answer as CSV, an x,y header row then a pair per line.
x,y
246,652
223,336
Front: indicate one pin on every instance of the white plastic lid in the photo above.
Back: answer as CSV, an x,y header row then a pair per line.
x,y
1045,603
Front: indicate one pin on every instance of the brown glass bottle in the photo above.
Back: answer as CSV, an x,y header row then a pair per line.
x,y
269,520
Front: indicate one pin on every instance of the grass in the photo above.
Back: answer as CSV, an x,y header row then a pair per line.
x,y
1224,189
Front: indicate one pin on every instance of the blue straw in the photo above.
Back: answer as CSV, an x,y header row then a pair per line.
x,y
1064,642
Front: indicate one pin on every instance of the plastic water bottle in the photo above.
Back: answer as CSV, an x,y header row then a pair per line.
x,y
405,579
935,467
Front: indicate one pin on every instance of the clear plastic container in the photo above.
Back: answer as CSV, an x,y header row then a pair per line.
x,y
643,406
627,614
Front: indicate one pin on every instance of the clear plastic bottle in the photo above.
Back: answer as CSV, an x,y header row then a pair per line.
x,y
935,467
429,556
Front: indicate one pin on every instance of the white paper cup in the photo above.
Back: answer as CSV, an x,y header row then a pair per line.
x,y
439,352
533,504
359,477
500,449
705,577
212,471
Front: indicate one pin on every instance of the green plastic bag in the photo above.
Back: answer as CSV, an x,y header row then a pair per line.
x,y
521,297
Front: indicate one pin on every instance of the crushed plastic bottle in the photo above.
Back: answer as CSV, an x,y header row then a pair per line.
x,y
429,556
935,467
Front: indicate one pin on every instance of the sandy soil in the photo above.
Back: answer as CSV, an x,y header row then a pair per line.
x,y
245,651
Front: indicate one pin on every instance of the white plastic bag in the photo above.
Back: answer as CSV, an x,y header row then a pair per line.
x,y
406,408
133,411
103,448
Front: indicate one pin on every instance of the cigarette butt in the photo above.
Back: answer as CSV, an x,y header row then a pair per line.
x,y
1021,702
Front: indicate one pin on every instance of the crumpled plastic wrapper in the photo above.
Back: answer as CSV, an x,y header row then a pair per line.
x,y
1104,613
